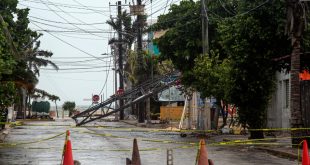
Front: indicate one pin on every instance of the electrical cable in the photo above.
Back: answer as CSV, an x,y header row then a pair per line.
x,y
44,9
257,7
69,21
64,5
167,1
73,31
80,57
106,80
60,27
223,6
82,38
89,8
77,68
72,78
93,71
70,44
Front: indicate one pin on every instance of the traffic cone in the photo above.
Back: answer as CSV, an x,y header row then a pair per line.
x,y
305,153
135,160
68,157
202,154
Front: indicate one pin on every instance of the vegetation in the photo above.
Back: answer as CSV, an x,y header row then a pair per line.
x,y
244,38
69,106
20,57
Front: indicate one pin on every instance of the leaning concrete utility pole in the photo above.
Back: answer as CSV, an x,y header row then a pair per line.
x,y
296,22
120,57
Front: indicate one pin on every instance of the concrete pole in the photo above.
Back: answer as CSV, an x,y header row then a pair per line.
x,y
120,57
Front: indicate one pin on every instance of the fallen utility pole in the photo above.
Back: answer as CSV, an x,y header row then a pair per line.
x,y
148,89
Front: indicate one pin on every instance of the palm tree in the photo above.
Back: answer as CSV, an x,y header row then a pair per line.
x,y
25,74
42,93
55,99
36,59
296,21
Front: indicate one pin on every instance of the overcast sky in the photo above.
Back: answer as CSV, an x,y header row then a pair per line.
x,y
75,31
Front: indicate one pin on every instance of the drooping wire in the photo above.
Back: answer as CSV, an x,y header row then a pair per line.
x,y
106,79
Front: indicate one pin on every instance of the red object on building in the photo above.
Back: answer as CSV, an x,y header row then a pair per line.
x,y
120,91
305,75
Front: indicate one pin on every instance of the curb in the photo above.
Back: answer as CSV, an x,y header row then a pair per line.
x,y
127,122
279,153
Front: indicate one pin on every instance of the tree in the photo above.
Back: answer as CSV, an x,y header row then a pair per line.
x,y
21,57
213,80
251,49
181,42
69,106
245,37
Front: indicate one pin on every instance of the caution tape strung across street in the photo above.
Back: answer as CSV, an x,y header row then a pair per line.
x,y
19,123
31,142
230,143
185,146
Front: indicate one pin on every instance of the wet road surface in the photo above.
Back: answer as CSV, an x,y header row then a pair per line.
x,y
110,143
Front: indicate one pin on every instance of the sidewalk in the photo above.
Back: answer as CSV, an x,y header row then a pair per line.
x,y
281,147
4,132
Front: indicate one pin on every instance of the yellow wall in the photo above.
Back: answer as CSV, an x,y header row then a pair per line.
x,y
170,113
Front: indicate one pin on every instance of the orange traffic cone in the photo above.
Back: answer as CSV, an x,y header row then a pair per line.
x,y
135,160
68,157
305,153
202,154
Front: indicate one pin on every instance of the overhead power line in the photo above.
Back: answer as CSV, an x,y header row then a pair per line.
x,y
70,72
70,44
85,68
96,11
73,31
68,23
66,5
52,10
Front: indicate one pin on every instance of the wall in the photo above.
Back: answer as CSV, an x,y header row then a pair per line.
x,y
278,114
171,113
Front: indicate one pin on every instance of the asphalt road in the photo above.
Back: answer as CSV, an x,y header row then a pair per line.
x,y
37,143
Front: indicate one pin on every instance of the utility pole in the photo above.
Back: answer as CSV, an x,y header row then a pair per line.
x,y
204,27
205,44
141,105
295,30
120,57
